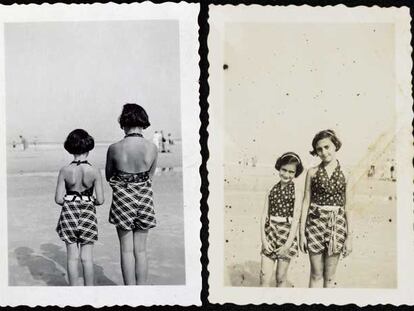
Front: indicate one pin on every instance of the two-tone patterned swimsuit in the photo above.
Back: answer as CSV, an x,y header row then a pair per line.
x,y
77,222
279,221
326,227
132,200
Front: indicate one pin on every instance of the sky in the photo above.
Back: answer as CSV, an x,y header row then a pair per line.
x,y
287,81
66,75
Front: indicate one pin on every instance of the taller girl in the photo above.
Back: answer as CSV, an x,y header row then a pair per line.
x,y
325,230
130,166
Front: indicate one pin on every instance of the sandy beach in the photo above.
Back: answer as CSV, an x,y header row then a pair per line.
x,y
372,263
37,257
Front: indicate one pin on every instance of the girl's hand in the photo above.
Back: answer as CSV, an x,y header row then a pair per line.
x,y
266,245
347,247
302,243
281,251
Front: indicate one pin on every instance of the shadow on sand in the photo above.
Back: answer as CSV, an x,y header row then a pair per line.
x,y
50,265
246,274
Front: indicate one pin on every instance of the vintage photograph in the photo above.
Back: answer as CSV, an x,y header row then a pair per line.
x,y
307,134
95,151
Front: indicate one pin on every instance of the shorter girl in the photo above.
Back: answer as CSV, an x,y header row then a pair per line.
x,y
77,225
280,220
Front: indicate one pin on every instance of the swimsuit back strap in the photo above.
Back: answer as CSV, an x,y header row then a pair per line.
x,y
133,135
79,162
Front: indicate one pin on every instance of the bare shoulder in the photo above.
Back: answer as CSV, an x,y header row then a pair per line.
x,y
312,171
112,148
64,171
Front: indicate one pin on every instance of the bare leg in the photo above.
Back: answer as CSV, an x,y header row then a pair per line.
x,y
73,261
266,272
331,262
281,272
127,256
140,251
316,273
87,263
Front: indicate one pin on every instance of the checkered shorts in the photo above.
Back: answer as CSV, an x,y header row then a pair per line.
x,y
277,234
77,222
132,205
325,231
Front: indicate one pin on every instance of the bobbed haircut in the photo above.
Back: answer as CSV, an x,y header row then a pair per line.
x,y
133,115
79,142
290,158
325,134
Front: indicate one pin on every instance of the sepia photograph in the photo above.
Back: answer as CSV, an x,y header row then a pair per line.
x,y
305,134
96,151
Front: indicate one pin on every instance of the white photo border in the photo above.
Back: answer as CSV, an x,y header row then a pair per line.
x,y
400,17
99,296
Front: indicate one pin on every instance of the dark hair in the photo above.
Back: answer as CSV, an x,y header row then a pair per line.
x,y
290,158
325,134
133,115
79,142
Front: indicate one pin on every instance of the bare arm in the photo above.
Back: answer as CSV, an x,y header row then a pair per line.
x,y
60,188
109,167
99,189
348,205
296,216
305,202
154,163
265,213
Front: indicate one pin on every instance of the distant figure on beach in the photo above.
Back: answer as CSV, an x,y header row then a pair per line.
x,y
25,144
156,139
130,166
163,140
169,142
35,142
392,171
371,171
254,161
77,225
325,230
279,222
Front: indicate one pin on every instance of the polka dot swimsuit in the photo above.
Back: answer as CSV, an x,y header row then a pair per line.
x,y
281,201
328,191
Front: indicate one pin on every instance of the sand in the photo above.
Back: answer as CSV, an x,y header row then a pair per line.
x,y
37,257
372,263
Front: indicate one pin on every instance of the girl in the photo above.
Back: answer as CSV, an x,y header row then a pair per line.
x,y
130,165
325,229
280,220
77,225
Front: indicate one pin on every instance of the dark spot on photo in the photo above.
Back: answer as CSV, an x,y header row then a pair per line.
x,y
225,66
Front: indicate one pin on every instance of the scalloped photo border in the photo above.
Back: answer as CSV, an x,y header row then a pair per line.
x,y
219,293
98,296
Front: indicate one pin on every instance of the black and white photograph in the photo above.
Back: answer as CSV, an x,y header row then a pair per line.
x,y
307,132
101,132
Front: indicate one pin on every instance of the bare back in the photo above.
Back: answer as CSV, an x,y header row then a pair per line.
x,y
79,177
131,155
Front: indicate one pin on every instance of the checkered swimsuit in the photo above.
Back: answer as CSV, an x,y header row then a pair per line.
x,y
326,230
132,204
77,222
281,203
